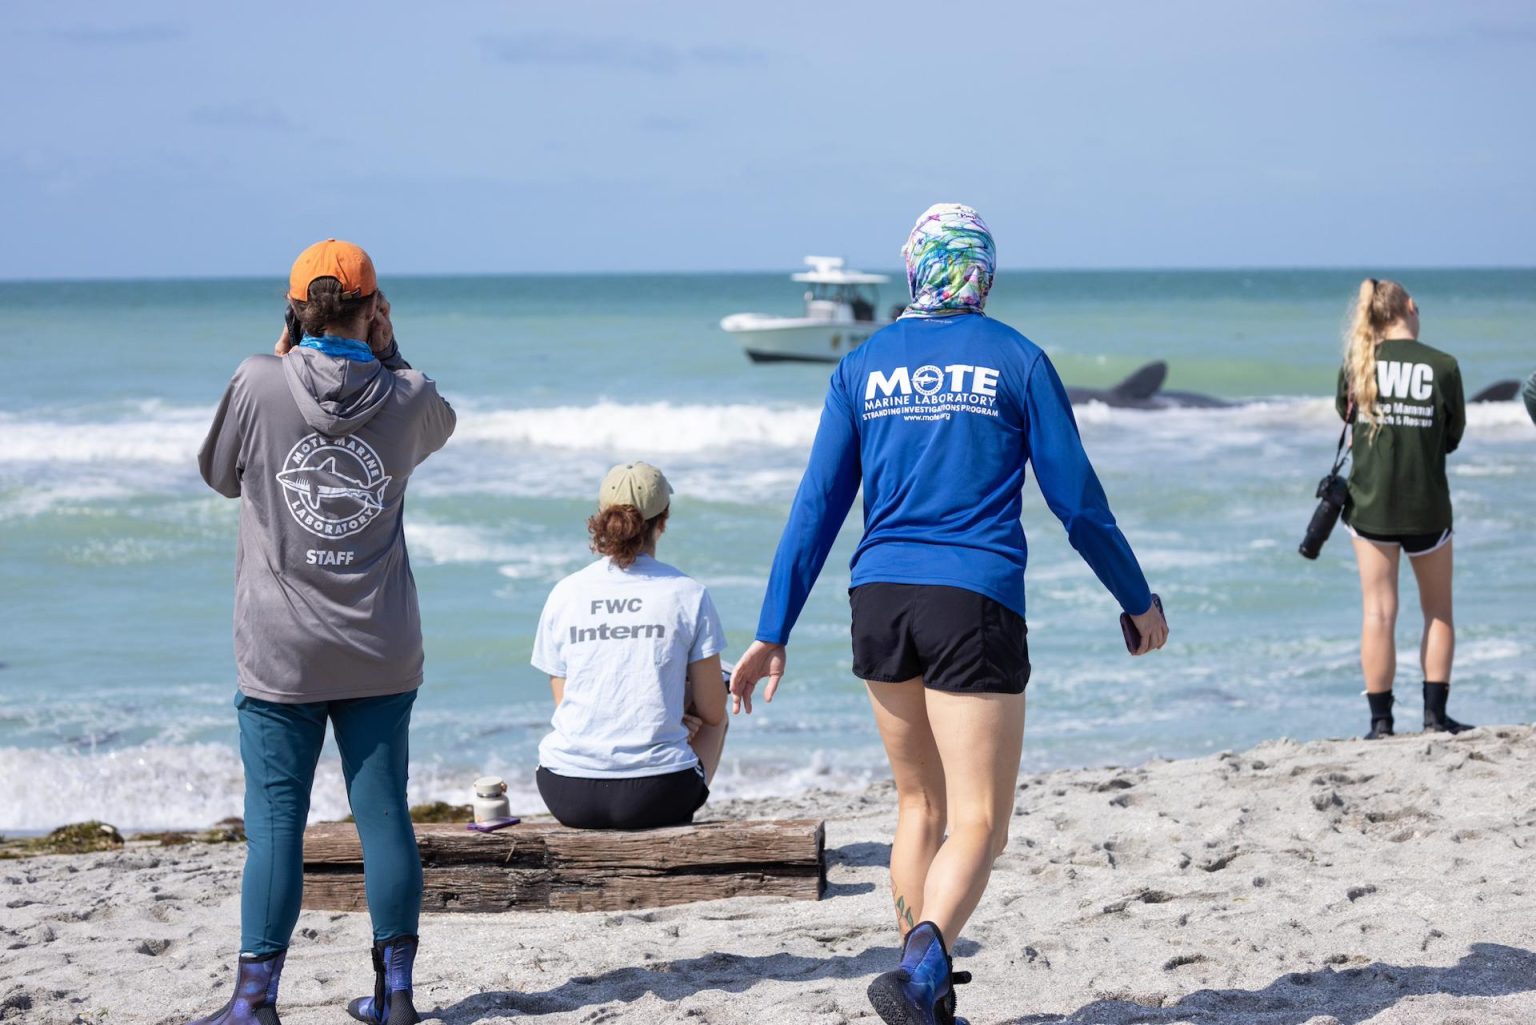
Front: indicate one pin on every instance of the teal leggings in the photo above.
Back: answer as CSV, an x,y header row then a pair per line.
x,y
280,745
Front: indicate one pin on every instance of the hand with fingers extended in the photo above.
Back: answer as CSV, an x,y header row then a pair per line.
x,y
761,659
1153,628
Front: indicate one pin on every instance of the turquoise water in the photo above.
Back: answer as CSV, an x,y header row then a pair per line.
x,y
117,561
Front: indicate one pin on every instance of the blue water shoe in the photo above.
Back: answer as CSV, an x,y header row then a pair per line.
x,y
921,991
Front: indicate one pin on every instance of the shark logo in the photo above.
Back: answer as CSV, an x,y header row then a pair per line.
x,y
325,481
333,487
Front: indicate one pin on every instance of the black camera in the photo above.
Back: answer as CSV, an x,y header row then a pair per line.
x,y
1332,493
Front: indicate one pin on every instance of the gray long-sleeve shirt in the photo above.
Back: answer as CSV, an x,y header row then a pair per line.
x,y
319,449
1528,393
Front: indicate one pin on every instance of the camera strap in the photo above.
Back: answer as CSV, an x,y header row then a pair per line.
x,y
1341,453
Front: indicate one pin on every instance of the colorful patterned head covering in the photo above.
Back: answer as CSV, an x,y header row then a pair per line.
x,y
950,261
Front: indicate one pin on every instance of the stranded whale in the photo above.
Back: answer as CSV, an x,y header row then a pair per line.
x,y
1498,391
1144,390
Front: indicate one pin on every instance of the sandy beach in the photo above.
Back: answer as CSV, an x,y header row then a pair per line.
x,y
1326,883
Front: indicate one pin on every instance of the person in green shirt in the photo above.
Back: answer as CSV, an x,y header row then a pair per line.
x,y
1528,393
1405,402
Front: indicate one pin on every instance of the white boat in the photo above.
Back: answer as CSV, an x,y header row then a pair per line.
x,y
840,313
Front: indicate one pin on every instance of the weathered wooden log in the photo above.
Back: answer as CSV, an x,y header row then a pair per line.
x,y
548,867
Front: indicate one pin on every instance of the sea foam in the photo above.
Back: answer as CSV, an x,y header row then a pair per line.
x,y
153,433
660,427
191,786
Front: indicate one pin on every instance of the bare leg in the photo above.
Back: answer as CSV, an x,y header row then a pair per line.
x,y
980,738
1438,648
901,713
1378,594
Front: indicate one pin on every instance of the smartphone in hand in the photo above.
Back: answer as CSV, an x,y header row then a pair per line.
x,y
1128,627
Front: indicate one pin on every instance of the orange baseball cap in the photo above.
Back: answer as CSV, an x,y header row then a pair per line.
x,y
343,261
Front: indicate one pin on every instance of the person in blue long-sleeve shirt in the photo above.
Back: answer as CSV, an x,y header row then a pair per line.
x,y
936,416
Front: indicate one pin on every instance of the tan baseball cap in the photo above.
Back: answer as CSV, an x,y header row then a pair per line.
x,y
638,484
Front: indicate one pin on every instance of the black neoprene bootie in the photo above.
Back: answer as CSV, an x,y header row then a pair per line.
x,y
393,962
1381,714
1435,719
255,999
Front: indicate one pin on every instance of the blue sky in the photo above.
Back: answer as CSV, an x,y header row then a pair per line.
x,y
165,139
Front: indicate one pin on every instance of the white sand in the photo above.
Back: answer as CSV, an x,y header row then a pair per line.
x,y
1295,884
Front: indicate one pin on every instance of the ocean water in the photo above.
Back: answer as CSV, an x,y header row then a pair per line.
x,y
116,561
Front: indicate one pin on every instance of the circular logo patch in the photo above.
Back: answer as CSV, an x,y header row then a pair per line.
x,y
334,487
928,379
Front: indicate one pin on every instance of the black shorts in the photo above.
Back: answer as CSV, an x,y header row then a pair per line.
x,y
956,640
1412,544
635,802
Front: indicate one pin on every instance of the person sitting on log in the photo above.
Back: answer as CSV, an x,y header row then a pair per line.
x,y
632,648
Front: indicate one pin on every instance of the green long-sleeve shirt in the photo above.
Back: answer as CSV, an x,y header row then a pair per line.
x,y
1397,484
1528,393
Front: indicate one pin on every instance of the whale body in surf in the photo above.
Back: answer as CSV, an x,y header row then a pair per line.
x,y
1144,390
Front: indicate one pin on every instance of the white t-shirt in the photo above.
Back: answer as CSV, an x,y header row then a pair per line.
x,y
623,639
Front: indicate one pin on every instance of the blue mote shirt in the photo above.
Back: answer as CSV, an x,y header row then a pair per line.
x,y
936,417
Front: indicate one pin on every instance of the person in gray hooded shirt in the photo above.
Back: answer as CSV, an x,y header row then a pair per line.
x,y
318,442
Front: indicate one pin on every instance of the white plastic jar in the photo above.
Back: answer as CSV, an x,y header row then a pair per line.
x,y
491,799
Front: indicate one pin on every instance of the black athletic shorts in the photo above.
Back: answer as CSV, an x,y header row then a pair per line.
x,y
1412,544
956,640
635,802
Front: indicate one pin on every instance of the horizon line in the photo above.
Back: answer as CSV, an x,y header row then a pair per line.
x,y
432,275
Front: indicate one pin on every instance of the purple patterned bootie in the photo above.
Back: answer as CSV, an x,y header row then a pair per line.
x,y
393,961
255,999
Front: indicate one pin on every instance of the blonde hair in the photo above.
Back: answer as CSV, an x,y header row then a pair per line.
x,y
1379,305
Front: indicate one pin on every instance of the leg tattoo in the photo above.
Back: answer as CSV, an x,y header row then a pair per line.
x,y
904,916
